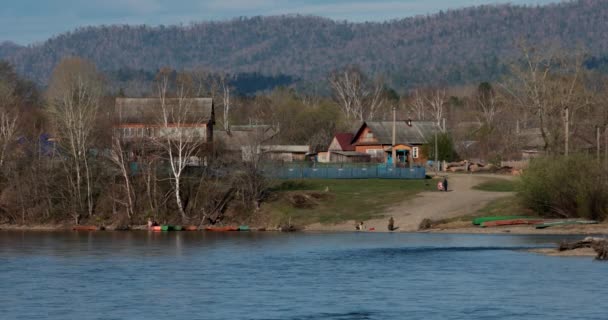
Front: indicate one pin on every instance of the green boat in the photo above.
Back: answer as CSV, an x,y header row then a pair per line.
x,y
480,220
563,223
168,227
244,228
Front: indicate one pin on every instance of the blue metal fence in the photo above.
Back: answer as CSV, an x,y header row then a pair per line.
x,y
372,172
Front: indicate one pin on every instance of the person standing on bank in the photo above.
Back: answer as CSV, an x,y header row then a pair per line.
x,y
445,184
391,224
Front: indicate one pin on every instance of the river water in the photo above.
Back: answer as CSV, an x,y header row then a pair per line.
x,y
198,275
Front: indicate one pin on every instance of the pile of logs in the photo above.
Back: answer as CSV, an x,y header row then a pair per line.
x,y
468,166
600,245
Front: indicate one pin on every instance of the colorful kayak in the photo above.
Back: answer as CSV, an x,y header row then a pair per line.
x,y
512,222
480,220
170,228
156,228
244,228
190,228
87,228
564,223
222,229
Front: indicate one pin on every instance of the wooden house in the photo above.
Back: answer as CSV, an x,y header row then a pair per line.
x,y
342,150
231,143
376,139
143,118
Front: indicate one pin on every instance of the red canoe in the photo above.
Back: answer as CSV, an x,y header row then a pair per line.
x,y
512,222
87,228
222,229
190,228
156,228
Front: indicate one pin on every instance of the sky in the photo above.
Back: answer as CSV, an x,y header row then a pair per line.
x,y
31,21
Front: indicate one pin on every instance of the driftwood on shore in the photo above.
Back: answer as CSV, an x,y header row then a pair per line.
x,y
600,245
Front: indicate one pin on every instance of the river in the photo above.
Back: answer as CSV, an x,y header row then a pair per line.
x,y
198,275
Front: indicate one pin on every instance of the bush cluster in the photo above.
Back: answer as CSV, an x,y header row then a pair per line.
x,y
566,187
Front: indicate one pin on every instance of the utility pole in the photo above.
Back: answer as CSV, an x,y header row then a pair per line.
x,y
606,146
566,130
598,135
394,152
436,153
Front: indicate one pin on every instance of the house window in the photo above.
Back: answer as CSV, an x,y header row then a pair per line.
x,y
369,136
415,152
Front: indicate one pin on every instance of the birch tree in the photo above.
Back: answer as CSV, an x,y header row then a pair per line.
x,y
74,96
180,122
359,98
547,84
418,105
118,157
9,115
436,102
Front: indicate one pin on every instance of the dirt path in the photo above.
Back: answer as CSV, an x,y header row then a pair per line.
x,y
460,200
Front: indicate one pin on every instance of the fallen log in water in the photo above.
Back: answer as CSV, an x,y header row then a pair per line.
x,y
600,245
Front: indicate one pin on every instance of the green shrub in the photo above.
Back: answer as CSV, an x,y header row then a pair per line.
x,y
571,187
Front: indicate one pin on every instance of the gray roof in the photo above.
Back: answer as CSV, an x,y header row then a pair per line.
x,y
149,111
234,139
420,132
286,148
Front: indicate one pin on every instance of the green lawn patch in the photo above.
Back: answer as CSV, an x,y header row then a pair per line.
x,y
303,202
508,206
497,185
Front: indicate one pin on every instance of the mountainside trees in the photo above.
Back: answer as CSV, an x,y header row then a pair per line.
x,y
457,46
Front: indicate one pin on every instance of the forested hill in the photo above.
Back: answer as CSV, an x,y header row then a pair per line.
x,y
458,46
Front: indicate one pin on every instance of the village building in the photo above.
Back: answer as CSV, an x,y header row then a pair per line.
x,y
142,118
376,139
239,140
341,150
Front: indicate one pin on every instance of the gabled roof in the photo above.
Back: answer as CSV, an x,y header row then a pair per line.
x,y
148,110
420,132
345,141
235,139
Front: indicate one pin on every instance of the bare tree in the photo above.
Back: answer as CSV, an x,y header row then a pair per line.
x,y
358,98
437,101
418,105
119,158
546,85
488,103
182,129
226,90
74,96
9,115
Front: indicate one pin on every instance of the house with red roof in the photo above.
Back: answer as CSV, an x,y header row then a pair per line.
x,y
342,150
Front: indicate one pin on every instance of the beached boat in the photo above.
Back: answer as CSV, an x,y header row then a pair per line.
x,y
156,228
190,228
222,229
87,228
564,223
480,220
244,228
168,227
511,222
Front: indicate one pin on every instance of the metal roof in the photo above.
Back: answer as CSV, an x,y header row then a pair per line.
x,y
420,132
149,111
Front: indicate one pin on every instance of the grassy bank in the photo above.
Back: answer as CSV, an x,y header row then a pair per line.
x,y
508,206
497,185
304,202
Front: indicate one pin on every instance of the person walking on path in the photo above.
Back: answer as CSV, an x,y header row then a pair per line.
x,y
391,224
445,184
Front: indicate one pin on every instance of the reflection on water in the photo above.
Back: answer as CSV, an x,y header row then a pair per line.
x,y
198,275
